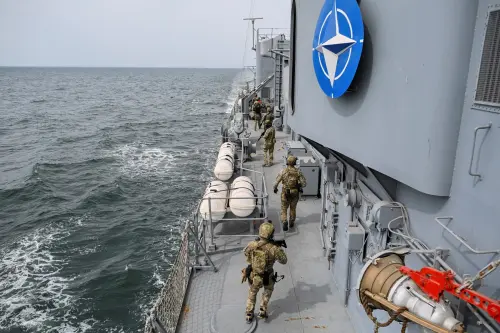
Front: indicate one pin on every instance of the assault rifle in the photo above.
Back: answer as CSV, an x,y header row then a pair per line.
x,y
281,242
260,137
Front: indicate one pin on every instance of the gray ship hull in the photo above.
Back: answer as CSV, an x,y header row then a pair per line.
x,y
407,164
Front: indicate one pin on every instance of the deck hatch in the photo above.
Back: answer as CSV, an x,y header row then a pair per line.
x,y
488,83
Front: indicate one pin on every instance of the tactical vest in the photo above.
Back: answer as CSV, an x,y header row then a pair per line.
x,y
257,108
291,180
260,258
269,116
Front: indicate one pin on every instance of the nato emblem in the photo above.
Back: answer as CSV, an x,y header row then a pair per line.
x,y
337,45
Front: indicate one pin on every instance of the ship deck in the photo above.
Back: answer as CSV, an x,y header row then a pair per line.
x,y
306,300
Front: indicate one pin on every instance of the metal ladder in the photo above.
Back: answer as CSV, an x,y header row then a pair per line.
x,y
278,73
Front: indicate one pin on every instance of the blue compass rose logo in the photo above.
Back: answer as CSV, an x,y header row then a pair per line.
x,y
337,45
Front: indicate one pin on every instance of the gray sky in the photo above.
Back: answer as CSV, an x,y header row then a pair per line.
x,y
152,33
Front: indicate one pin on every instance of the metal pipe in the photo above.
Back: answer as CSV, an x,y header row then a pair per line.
x,y
201,267
196,249
257,197
487,127
204,222
240,219
322,219
241,158
237,235
211,224
322,238
280,54
204,251
347,280
158,326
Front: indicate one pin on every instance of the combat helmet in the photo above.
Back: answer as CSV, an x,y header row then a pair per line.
x,y
291,160
268,123
266,230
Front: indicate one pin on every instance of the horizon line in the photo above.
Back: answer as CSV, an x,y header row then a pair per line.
x,y
118,67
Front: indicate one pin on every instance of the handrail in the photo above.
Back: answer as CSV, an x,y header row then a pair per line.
x,y
487,127
459,238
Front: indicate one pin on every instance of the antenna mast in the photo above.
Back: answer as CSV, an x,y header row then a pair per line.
x,y
253,29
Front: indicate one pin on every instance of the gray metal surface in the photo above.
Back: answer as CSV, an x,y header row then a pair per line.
x,y
404,119
311,171
265,66
412,121
305,301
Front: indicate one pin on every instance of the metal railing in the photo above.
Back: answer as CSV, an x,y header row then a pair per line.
x,y
265,33
261,196
166,311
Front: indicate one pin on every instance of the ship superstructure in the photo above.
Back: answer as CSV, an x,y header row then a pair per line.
x,y
392,111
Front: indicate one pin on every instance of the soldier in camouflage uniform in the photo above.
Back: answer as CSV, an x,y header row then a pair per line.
x,y
257,108
293,181
269,115
262,254
269,141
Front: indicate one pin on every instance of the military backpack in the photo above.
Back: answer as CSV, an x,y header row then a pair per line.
x,y
259,260
291,181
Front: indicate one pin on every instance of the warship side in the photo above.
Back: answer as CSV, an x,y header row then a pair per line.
x,y
392,110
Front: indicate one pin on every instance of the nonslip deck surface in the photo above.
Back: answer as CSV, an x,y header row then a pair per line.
x,y
305,301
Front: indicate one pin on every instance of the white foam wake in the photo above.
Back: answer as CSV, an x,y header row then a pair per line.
x,y
239,83
32,290
139,160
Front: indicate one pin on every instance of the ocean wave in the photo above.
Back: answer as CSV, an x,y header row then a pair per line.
x,y
32,290
140,160
74,139
136,178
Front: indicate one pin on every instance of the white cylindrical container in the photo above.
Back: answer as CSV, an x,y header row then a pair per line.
x,y
242,199
224,167
217,191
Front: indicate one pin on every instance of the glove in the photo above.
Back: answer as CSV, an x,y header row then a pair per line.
x,y
275,190
243,275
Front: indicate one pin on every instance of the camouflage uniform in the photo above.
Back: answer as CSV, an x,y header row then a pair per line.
x,y
291,178
274,253
257,114
269,141
269,116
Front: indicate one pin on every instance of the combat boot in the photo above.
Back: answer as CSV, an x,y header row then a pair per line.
x,y
262,314
285,226
249,317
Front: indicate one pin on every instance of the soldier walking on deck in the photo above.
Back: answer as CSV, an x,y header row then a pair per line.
x,y
269,141
293,181
269,115
261,255
257,109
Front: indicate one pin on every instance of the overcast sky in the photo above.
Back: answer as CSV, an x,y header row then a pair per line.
x,y
141,33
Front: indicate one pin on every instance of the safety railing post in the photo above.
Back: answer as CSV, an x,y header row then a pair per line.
x,y
212,244
204,251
